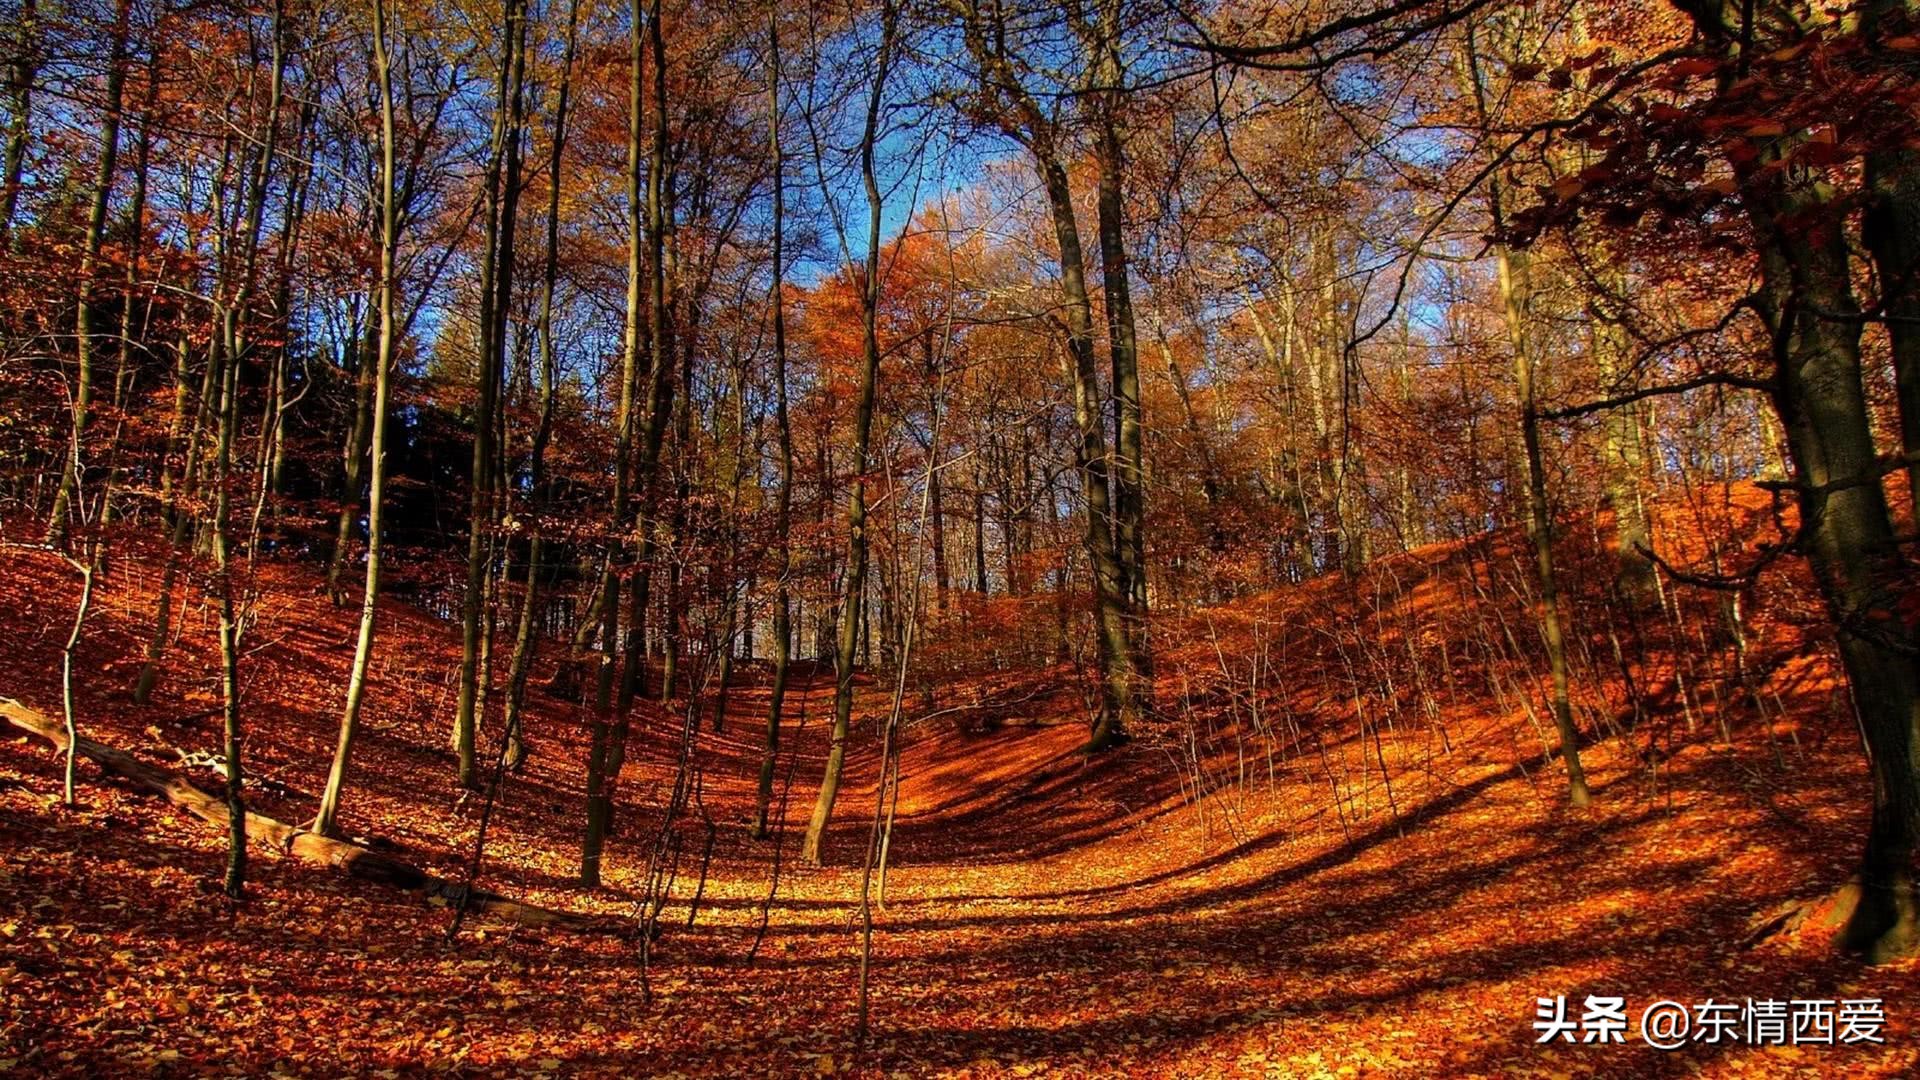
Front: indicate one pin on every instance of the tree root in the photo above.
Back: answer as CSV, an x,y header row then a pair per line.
x,y
1876,925
351,859
1821,913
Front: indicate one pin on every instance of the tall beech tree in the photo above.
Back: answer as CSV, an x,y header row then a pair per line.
x,y
1106,75
1515,285
23,67
658,404
502,197
85,347
605,728
1003,95
854,578
386,197
785,569
525,638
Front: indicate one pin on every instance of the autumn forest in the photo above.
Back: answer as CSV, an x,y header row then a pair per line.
x,y
959,538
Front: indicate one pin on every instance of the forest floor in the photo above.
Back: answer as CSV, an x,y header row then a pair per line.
x,y
1044,914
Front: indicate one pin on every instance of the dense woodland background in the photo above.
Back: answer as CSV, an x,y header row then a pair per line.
x,y
421,420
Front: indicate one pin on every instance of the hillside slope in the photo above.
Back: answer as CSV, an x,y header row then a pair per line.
x,y
1251,901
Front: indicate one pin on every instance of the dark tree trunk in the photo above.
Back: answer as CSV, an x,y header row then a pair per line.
x,y
1129,509
525,640
1027,122
496,290
1891,229
980,537
783,506
853,597
20,76
602,736
71,469
1808,294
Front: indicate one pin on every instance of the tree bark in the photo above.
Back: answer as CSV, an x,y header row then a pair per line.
x,y
599,792
353,460
496,290
783,504
58,524
1515,294
1891,230
853,597
20,76
1102,46
1517,297
1808,295
1028,124
229,634
1118,702
525,639
325,822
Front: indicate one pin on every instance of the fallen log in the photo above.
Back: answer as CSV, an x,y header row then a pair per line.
x,y
355,861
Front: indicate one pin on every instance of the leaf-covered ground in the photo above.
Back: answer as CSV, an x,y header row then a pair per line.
x,y
1043,915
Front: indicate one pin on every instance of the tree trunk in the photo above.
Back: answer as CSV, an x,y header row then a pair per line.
x,y
1129,475
658,409
325,821
1807,294
1116,714
1517,297
20,76
658,406
599,794
1515,294
229,628
783,506
853,597
496,291
525,640
353,460
730,568
69,773
58,524
1891,229
936,507
1029,123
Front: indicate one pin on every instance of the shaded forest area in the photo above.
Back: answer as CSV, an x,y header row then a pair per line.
x,y
924,537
